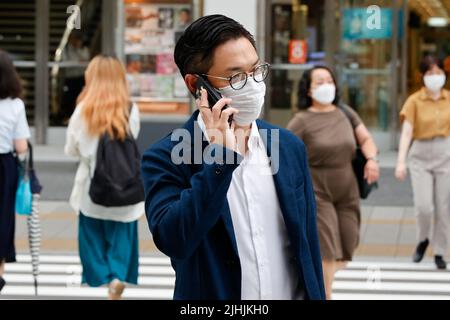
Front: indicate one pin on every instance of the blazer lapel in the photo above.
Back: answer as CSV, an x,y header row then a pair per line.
x,y
196,133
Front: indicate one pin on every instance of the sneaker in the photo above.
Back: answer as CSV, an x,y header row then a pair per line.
x,y
440,262
116,288
2,283
420,251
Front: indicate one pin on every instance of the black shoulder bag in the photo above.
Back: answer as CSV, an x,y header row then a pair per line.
x,y
359,163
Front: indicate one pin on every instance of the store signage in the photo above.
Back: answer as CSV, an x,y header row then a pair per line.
x,y
362,23
151,32
298,51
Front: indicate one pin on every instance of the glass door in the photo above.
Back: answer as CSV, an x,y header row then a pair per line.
x,y
369,66
296,42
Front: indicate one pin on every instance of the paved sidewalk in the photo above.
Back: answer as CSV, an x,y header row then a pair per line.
x,y
388,232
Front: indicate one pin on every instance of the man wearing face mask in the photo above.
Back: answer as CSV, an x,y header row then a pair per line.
x,y
426,123
232,229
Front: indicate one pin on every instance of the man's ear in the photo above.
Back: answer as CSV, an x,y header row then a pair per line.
x,y
191,82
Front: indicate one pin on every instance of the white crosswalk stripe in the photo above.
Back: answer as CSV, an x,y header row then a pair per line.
x,y
363,280
60,278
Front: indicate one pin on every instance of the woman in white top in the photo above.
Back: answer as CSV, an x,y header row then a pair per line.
x,y
14,132
108,236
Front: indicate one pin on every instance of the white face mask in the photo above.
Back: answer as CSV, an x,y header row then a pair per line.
x,y
249,101
324,94
434,82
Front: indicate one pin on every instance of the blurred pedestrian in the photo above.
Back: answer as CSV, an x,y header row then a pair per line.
x,y
75,52
14,132
331,142
184,18
426,123
108,236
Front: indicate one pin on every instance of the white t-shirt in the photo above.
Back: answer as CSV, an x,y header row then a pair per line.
x,y
13,124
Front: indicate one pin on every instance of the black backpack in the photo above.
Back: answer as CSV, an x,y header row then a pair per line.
x,y
117,178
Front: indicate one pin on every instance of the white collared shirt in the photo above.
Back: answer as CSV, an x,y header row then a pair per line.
x,y
268,270
13,123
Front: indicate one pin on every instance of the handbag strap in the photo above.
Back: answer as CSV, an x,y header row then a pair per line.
x,y
347,114
30,156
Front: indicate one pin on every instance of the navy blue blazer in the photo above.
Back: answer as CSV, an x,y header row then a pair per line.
x,y
190,220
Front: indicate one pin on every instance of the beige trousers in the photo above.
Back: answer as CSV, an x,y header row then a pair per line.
x,y
429,163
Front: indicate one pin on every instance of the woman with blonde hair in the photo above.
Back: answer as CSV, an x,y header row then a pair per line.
x,y
108,236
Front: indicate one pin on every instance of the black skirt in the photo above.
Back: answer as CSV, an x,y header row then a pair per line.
x,y
8,185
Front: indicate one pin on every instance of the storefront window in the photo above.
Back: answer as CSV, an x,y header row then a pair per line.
x,y
296,34
365,65
152,29
27,75
69,55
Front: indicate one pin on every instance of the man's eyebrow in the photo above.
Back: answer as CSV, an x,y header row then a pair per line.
x,y
239,69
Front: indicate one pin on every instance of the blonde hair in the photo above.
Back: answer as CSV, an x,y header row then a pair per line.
x,y
105,98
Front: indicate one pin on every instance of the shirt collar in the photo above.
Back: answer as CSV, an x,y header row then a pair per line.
x,y
425,96
253,140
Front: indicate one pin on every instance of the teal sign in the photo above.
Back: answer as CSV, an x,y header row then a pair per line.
x,y
368,23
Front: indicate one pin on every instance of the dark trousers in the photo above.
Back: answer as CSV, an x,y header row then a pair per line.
x,y
8,185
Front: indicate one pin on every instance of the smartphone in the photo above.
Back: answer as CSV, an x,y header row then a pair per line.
x,y
213,94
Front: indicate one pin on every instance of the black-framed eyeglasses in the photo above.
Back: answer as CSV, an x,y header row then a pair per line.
x,y
239,80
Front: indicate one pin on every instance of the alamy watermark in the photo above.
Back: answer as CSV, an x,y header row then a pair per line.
x,y
374,20
374,278
74,21
189,149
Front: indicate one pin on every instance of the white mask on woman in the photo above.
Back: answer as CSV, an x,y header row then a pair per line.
x,y
324,94
434,82
249,101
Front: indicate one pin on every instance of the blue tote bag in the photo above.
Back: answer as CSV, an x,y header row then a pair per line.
x,y
28,184
24,198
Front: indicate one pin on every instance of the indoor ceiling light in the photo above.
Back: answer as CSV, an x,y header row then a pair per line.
x,y
437,22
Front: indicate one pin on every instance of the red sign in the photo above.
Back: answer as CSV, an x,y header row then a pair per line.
x,y
298,50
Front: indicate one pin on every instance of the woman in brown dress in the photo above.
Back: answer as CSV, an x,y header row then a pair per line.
x,y
331,143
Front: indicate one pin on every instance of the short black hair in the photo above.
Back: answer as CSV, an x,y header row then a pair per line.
x,y
428,62
195,49
10,84
304,100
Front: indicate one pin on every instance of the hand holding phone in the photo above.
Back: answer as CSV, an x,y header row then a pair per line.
x,y
213,94
219,128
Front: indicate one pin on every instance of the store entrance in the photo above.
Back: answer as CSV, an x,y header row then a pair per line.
x,y
428,34
295,43
369,64
371,78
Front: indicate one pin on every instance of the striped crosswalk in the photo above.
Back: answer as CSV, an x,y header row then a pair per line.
x,y
391,281
60,278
